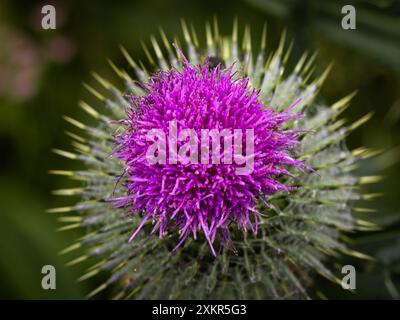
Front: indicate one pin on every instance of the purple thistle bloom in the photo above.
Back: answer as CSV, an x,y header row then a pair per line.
x,y
194,197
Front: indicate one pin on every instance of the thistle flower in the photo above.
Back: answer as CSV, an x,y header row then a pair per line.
x,y
296,218
207,195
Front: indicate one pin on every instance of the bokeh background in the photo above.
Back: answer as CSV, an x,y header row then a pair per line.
x,y
41,76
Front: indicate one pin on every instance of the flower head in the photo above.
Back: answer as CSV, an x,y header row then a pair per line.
x,y
211,194
154,129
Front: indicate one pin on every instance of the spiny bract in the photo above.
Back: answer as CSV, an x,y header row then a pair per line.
x,y
297,230
189,195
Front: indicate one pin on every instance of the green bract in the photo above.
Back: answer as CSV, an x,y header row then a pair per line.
x,y
297,233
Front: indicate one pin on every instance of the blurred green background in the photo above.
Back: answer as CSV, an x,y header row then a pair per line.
x,y
41,75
